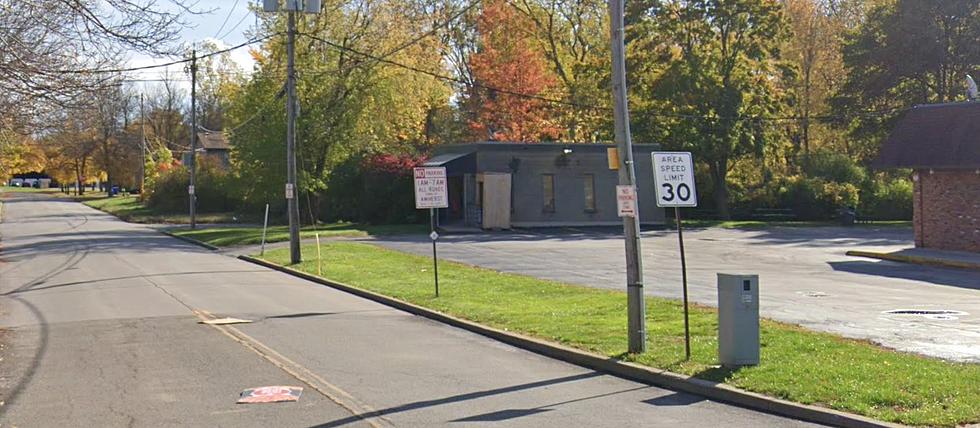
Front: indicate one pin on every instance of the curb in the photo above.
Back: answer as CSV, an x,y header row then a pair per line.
x,y
673,381
189,240
918,260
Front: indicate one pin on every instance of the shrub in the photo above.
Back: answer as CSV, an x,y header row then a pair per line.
x,y
887,200
815,198
374,189
214,189
835,167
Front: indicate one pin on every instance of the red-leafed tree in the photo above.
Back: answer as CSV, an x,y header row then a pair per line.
x,y
509,74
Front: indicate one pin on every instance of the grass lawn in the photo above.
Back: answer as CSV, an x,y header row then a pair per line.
x,y
129,208
798,365
15,189
230,236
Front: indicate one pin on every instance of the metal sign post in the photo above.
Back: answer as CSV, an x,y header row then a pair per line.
x,y
673,174
434,236
432,192
680,240
265,227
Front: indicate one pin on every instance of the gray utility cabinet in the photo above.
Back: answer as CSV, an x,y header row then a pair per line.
x,y
738,319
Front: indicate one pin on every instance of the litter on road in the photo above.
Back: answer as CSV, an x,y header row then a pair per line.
x,y
270,394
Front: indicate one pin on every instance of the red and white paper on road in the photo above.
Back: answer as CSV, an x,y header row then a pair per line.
x,y
430,188
270,394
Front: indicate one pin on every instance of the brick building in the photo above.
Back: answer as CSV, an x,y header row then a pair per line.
x,y
941,143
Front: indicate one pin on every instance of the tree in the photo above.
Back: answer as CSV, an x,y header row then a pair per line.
x,y
721,68
18,154
907,52
510,78
110,118
573,35
48,44
164,116
352,101
218,76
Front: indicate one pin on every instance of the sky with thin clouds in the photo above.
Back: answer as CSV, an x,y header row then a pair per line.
x,y
203,27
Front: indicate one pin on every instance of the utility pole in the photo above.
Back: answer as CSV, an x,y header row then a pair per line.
x,y
142,149
636,309
291,198
191,191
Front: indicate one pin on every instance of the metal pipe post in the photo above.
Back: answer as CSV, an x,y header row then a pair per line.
x,y
435,258
680,239
265,226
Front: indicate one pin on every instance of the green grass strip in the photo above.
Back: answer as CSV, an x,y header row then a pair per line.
x,y
797,364
131,209
231,236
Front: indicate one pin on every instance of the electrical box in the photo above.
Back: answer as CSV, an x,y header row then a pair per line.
x,y
738,320
270,5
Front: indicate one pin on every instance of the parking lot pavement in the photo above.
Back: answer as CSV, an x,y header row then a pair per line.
x,y
805,277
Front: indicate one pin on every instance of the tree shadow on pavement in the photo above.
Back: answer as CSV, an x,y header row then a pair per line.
x,y
465,397
953,277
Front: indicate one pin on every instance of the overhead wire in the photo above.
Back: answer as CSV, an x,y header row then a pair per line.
x,y
167,64
239,23
227,17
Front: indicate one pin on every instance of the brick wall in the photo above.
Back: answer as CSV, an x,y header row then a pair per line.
x,y
947,210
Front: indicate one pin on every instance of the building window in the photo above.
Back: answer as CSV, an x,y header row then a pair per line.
x,y
548,192
589,183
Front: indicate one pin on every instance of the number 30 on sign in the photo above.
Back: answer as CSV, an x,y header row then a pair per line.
x,y
673,175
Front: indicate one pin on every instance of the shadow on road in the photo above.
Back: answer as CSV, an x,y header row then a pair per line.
x,y
465,397
938,276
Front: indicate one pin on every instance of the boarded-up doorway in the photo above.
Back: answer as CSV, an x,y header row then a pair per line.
x,y
496,200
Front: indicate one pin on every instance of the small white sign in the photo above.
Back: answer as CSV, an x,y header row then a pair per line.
x,y
289,191
431,190
434,235
626,200
673,176
190,190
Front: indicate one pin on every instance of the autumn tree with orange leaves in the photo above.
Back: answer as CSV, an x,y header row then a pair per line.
x,y
511,76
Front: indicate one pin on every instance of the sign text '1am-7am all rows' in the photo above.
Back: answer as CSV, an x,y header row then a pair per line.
x,y
430,188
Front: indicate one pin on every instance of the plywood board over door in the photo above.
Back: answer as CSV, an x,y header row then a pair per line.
x,y
496,200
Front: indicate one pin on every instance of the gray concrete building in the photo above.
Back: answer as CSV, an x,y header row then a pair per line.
x,y
502,185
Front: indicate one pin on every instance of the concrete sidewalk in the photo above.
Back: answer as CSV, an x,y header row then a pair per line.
x,y
925,257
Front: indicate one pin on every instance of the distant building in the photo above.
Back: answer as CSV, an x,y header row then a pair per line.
x,y
502,185
941,143
213,146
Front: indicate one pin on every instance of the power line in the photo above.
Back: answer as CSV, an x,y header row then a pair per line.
x,y
239,23
228,16
149,67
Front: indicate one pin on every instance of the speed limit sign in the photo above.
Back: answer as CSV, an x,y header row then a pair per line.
x,y
673,175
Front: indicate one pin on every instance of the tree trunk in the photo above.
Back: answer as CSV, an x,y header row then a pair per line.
x,y
719,175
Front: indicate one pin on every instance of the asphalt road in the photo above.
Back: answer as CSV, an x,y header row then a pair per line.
x,y
100,324
805,276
